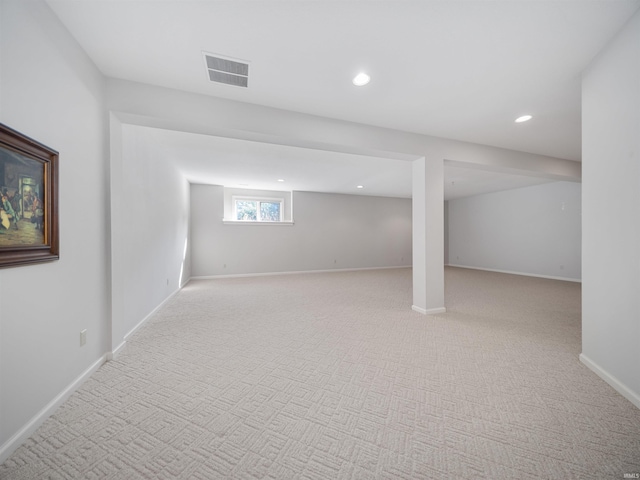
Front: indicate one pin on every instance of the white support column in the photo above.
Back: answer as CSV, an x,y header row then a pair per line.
x,y
116,326
428,236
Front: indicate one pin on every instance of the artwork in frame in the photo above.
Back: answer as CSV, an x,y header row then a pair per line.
x,y
28,200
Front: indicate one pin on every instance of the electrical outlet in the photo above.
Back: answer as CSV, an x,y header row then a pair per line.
x,y
83,337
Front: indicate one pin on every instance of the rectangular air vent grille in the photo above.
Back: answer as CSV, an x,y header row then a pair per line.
x,y
221,77
227,71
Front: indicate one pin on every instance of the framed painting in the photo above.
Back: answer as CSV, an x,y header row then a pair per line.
x,y
28,200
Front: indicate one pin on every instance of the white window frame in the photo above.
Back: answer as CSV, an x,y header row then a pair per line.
x,y
236,198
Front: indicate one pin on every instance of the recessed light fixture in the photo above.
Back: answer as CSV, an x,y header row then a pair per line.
x,y
523,118
361,79
360,186
281,179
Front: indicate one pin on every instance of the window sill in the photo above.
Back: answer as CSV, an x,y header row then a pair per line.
x,y
260,224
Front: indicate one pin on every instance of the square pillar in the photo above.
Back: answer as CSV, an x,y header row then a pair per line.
x,y
428,236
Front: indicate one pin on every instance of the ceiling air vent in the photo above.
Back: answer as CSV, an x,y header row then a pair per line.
x,y
227,70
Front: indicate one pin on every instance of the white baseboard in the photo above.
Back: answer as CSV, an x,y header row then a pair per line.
x,y
297,272
428,311
144,320
524,274
617,385
113,354
25,432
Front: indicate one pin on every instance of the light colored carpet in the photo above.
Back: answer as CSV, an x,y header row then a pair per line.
x,y
332,376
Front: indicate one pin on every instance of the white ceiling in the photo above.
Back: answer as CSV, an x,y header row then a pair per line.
x,y
456,69
246,164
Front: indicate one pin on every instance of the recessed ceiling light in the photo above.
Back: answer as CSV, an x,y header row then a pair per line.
x,y
524,118
361,79
281,179
360,186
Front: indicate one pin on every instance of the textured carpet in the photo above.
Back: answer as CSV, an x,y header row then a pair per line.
x,y
333,376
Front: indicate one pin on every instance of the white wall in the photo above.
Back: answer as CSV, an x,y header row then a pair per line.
x,y
354,231
51,91
534,230
150,225
611,202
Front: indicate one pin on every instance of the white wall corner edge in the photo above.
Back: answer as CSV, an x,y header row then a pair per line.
x,y
25,432
617,385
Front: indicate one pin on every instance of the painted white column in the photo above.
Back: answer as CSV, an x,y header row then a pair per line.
x,y
116,326
428,236
611,213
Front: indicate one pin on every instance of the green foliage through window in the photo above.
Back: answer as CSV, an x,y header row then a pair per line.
x,y
250,210
247,210
270,211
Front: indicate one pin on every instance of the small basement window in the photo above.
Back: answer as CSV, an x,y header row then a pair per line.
x,y
257,209
245,206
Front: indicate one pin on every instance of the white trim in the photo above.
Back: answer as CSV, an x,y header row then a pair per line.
x,y
550,277
149,315
25,432
435,311
430,311
114,353
617,385
270,274
252,223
